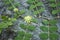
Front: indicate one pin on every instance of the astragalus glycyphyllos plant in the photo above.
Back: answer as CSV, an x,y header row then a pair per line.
x,y
35,22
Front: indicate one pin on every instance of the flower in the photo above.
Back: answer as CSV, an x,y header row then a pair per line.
x,y
28,19
15,10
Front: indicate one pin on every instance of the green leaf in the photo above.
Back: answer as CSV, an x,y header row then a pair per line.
x,y
54,12
26,38
53,28
5,24
20,35
52,5
28,35
34,20
0,30
53,22
31,28
32,7
10,8
41,10
12,19
23,26
4,17
30,1
18,38
39,4
36,12
22,12
54,36
58,4
6,2
16,4
51,0
43,36
45,21
44,28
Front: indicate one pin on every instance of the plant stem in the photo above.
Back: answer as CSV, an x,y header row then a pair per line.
x,y
11,4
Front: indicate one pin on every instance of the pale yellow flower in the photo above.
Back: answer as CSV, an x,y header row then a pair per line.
x,y
28,19
15,10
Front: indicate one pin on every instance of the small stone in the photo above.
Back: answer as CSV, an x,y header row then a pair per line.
x,y
10,39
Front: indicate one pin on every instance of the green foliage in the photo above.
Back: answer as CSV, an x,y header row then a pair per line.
x,y
44,36
52,5
19,13
58,4
22,12
30,1
6,21
35,6
54,12
5,24
17,4
39,11
4,17
0,30
22,34
36,12
18,38
52,22
12,19
39,4
34,20
23,26
28,35
45,21
29,27
44,28
27,38
10,4
10,8
53,28
51,0
6,2
54,36
32,7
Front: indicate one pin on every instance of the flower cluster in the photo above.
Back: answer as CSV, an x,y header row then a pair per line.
x,y
15,10
28,19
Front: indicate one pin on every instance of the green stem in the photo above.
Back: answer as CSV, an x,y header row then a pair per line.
x,y
36,7
12,4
